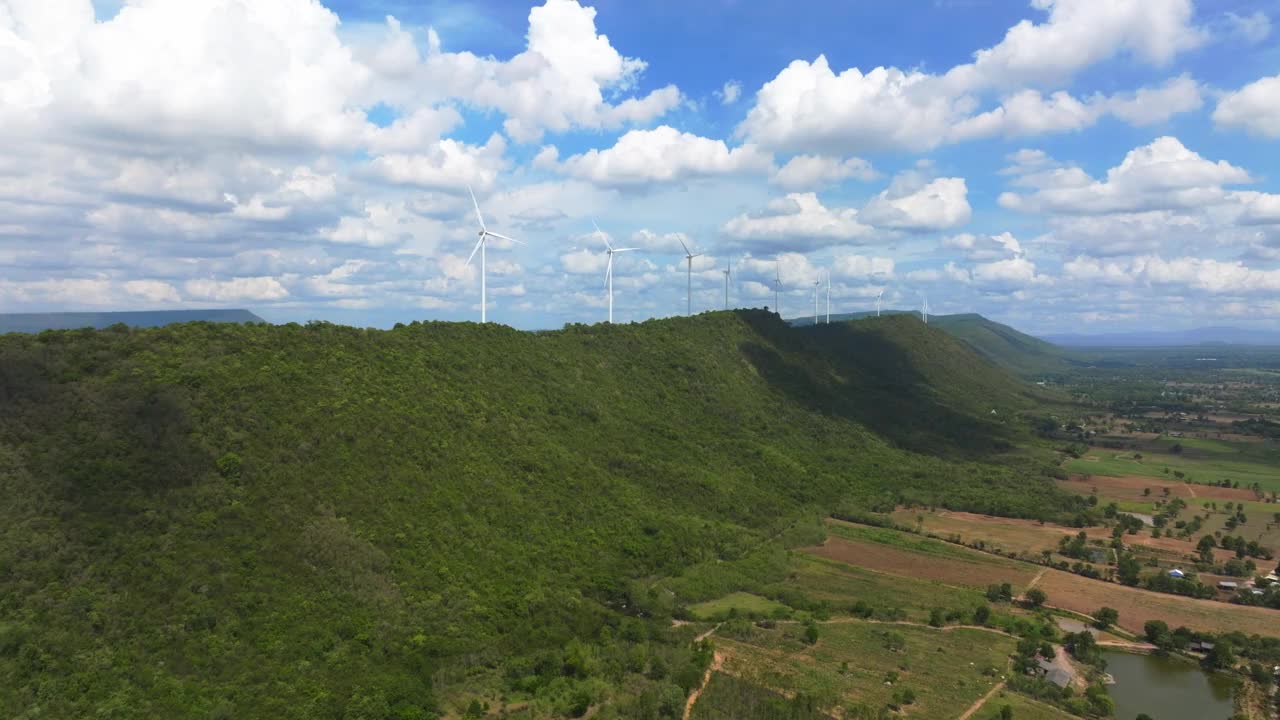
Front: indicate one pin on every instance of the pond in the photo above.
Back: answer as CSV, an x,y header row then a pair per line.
x,y
1166,688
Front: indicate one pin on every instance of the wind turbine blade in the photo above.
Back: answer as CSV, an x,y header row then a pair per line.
x,y
474,250
603,235
686,247
504,237
608,271
476,205
618,250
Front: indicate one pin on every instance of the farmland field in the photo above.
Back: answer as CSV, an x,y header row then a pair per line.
x,y
745,603
1023,709
946,670
974,569
1200,460
922,558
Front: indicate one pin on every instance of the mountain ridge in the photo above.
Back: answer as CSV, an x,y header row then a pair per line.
x,y
39,322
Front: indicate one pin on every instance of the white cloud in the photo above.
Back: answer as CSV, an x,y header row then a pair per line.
x,y
1164,174
558,83
730,93
447,165
583,262
1254,107
1081,33
382,225
861,267
663,155
809,172
1150,106
985,247
236,289
910,205
799,220
1010,273
1216,277
808,107
662,242
154,291
1252,29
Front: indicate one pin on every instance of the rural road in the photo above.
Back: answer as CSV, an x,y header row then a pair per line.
x,y
717,662
982,701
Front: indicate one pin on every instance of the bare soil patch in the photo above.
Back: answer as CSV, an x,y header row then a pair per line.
x,y
977,573
1136,607
1131,487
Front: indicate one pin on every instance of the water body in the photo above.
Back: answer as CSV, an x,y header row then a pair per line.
x,y
1166,688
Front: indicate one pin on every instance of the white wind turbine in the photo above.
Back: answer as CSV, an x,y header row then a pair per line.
x,y
689,255
878,296
728,272
828,297
816,284
608,271
481,244
924,309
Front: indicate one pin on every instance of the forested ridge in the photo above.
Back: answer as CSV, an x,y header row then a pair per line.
x,y
319,521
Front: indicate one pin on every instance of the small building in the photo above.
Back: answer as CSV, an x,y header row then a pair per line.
x,y
1199,646
1177,573
1228,585
1053,672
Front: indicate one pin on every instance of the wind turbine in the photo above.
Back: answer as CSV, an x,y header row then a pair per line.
x,y
828,297
924,310
816,284
878,296
481,244
608,271
689,255
728,272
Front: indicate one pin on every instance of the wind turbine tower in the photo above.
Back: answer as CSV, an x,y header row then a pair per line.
x,y
608,271
816,284
878,296
924,310
481,244
689,255
728,272
828,297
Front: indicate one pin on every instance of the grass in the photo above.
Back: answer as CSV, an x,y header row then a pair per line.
x,y
841,584
745,603
1202,460
852,660
1023,709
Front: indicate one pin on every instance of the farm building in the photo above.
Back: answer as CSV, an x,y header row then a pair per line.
x,y
1177,573
1228,585
1053,672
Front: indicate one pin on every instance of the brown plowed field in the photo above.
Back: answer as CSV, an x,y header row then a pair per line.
x,y
980,572
1138,606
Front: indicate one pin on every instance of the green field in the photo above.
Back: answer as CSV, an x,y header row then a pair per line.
x,y
1023,709
744,603
1203,461
946,670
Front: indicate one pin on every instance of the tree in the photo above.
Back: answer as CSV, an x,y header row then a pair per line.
x,y
811,633
1006,713
981,615
1156,632
1222,656
1106,617
1036,597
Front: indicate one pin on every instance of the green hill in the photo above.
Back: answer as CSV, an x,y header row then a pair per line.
x,y
39,322
1013,350
210,520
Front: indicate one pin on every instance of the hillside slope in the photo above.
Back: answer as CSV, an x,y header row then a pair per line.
x,y
39,322
1009,348
317,521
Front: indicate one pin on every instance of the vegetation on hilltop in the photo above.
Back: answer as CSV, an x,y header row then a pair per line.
x,y
318,521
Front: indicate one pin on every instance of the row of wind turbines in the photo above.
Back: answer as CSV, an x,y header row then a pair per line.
x,y
485,233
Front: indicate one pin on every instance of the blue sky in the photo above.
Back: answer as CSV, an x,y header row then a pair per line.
x,y
1055,164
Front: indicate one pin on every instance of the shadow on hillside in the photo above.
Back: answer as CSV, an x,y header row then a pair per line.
x,y
868,376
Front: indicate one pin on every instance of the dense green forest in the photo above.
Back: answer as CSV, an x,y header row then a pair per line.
x,y
212,520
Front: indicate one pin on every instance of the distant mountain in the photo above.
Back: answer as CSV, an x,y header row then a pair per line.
x,y
1171,338
1000,344
37,322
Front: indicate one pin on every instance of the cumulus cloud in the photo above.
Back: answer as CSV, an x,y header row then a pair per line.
x,y
1161,175
808,172
446,165
799,220
730,93
910,205
236,289
663,155
1217,277
1254,107
809,107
